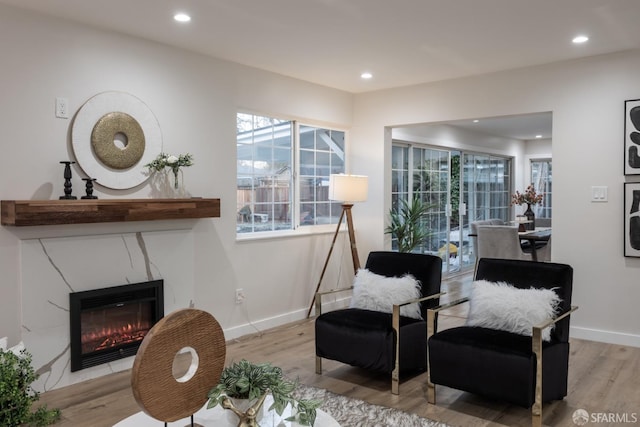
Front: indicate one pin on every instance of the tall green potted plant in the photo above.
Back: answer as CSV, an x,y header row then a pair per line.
x,y
406,224
245,380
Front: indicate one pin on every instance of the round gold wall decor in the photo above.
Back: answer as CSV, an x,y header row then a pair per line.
x,y
118,140
114,135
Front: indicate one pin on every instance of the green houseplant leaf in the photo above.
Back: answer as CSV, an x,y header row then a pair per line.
x,y
245,380
407,225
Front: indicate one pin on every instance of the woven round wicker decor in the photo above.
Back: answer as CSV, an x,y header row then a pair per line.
x,y
104,133
154,386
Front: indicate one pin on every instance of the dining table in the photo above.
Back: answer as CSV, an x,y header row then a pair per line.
x,y
541,234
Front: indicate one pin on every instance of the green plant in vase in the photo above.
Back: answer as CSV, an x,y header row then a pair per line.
x,y
245,380
172,162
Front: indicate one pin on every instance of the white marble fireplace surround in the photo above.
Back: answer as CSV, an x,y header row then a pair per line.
x,y
53,267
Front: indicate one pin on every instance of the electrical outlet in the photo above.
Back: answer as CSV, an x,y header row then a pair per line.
x,y
62,108
239,296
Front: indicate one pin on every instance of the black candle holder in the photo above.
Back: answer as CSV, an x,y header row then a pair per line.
x,y
89,188
67,181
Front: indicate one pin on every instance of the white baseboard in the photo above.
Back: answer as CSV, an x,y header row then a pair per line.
x,y
605,336
272,322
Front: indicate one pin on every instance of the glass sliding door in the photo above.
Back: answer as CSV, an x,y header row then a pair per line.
x,y
486,191
459,188
541,178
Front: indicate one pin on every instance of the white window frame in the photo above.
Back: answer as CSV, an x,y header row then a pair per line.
x,y
297,229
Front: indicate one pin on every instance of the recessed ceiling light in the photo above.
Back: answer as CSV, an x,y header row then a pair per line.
x,y
538,136
476,121
182,17
366,75
580,39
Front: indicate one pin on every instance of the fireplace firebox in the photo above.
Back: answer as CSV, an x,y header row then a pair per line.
x,y
109,324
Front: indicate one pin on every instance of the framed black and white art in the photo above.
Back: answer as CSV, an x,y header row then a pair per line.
x,y
632,219
632,137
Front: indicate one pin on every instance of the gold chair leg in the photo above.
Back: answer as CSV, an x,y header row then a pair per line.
x,y
432,316
318,365
536,409
395,375
536,420
431,391
395,382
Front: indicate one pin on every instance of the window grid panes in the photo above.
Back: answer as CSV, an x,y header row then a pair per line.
x,y
399,175
487,187
541,177
321,154
267,149
264,173
444,179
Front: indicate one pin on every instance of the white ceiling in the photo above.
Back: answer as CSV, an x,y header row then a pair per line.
x,y
402,42
524,127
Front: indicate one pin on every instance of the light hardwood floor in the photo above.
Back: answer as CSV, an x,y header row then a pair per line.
x,y
603,378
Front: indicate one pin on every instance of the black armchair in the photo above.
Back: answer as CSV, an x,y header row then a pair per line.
x,y
367,338
523,370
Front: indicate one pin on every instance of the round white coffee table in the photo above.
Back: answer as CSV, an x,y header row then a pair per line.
x,y
218,417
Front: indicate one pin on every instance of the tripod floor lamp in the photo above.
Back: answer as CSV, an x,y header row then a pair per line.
x,y
348,189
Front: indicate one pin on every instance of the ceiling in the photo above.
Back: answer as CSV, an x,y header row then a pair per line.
x,y
401,42
523,127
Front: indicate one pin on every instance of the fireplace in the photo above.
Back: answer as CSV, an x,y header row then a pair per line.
x,y
109,324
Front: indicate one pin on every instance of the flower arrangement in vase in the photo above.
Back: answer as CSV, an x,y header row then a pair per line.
x,y
529,197
172,162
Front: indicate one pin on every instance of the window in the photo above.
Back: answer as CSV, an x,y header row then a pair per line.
x,y
541,177
283,173
321,154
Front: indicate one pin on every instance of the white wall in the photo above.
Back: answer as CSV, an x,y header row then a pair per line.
x,y
195,99
586,98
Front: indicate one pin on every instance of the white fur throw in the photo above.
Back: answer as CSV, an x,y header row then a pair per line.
x,y
505,307
374,292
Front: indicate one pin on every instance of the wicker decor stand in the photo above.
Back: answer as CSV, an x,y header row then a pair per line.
x,y
158,392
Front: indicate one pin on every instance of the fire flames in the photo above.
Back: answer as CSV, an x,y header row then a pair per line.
x,y
114,336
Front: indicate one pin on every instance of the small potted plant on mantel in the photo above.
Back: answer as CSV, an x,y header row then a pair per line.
x,y
252,382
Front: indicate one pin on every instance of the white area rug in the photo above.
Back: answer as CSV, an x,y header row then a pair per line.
x,y
358,413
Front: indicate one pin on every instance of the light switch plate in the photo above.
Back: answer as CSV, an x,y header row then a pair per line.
x,y
62,108
599,193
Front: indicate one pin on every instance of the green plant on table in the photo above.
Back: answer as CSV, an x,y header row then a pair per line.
x,y
245,380
16,394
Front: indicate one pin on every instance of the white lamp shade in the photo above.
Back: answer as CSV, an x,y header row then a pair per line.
x,y
348,188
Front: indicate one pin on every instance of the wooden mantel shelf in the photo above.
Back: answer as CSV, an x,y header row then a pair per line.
x,y
82,211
